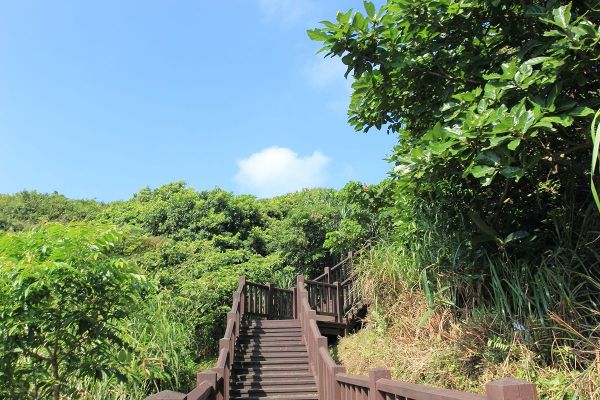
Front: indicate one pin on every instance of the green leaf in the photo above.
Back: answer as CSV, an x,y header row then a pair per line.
x,y
513,144
563,120
426,288
490,158
595,131
491,91
581,112
536,60
513,172
370,8
480,171
317,34
516,236
562,15
425,317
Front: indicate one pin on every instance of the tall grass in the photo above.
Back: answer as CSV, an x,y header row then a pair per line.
x,y
595,131
160,359
496,304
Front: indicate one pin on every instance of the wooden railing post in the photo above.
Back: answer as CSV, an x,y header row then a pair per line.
x,y
294,303
270,301
328,274
320,342
337,388
242,296
299,291
209,377
223,344
221,385
376,374
340,302
510,389
167,395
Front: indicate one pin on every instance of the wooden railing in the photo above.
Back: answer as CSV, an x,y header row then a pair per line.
x,y
268,302
325,298
331,292
335,384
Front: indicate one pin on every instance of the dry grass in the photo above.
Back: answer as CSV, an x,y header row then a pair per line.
x,y
464,349
446,352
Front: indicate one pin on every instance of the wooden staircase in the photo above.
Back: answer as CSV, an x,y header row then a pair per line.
x,y
274,348
271,362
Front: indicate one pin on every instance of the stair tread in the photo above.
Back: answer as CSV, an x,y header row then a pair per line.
x,y
272,323
273,383
269,334
274,354
290,360
276,389
269,328
280,396
241,369
274,374
272,348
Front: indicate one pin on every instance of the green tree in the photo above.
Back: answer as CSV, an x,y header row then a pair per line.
x,y
63,292
365,213
177,211
492,101
299,225
28,208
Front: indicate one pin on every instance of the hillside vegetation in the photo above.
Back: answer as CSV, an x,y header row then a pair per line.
x,y
119,300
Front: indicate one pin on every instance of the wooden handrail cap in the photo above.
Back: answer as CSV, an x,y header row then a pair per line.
x,y
510,389
167,395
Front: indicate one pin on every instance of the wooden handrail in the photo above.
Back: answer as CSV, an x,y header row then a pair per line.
x,y
356,380
329,271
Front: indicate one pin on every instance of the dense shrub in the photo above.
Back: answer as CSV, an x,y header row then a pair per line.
x,y
63,294
28,208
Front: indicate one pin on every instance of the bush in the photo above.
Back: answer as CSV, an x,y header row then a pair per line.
x,y
63,294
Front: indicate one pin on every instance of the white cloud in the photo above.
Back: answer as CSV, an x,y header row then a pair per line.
x,y
278,170
286,11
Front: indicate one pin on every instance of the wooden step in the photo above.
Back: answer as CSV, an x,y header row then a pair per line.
x,y
304,389
285,360
248,368
267,356
295,343
264,339
270,329
278,396
273,382
270,349
272,323
271,334
273,375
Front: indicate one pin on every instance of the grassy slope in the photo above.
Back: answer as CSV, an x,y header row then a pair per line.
x,y
446,351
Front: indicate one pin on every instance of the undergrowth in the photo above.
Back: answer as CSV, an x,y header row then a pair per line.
x,y
429,325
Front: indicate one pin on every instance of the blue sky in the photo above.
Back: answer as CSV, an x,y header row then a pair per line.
x,y
99,99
